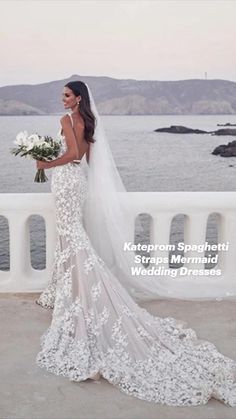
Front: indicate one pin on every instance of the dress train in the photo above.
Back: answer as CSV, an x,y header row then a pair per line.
x,y
97,328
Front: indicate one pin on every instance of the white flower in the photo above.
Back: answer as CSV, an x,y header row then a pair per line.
x,y
34,137
29,145
46,145
35,140
21,138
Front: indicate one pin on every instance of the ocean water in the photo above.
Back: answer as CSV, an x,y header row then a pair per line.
x,y
146,160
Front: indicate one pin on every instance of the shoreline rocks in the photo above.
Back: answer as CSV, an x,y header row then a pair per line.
x,y
224,131
226,150
180,129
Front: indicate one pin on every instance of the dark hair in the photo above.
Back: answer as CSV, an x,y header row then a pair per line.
x,y
79,88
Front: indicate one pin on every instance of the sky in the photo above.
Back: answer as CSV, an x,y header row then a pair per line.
x,y
45,40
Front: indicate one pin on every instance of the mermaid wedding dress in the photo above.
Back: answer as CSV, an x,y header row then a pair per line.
x,y
97,327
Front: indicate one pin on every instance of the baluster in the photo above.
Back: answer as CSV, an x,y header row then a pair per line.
x,y
195,233
20,265
227,234
160,234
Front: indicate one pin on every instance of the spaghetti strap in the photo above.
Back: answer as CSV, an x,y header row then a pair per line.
x,y
71,119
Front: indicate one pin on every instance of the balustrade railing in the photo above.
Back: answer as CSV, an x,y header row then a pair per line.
x,y
162,208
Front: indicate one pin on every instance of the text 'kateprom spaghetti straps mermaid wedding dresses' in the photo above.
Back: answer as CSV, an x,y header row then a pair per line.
x,y
97,327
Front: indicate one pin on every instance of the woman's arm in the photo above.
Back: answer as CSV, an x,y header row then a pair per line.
x,y
72,152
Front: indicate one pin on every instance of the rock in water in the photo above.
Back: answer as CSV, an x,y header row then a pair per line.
x,y
179,129
226,150
224,131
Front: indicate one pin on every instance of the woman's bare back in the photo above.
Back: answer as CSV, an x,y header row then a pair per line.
x,y
78,127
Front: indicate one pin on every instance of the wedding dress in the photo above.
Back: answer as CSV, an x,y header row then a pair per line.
x,y
97,327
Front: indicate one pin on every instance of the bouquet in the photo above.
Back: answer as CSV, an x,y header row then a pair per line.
x,y
36,147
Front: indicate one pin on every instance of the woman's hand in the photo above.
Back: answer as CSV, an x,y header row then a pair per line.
x,y
42,164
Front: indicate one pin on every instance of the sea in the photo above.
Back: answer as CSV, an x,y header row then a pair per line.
x,y
146,160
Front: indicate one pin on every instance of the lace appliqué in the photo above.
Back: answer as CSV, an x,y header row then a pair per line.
x,y
97,327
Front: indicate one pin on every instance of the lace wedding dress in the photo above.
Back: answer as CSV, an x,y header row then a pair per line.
x,y
97,327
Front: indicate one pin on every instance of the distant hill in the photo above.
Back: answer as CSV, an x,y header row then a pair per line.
x,y
14,107
126,97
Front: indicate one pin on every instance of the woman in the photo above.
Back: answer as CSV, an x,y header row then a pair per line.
x,y
97,328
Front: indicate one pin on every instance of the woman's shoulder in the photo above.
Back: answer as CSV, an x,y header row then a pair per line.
x,y
77,122
65,117
63,120
66,122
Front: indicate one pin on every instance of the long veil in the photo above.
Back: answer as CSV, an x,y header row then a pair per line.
x,y
106,217
110,225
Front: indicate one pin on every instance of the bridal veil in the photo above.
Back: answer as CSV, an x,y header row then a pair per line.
x,y
110,225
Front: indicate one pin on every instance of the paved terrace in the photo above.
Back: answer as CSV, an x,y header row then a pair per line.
x,y
28,392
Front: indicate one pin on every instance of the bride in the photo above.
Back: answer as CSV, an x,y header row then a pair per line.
x,y
97,328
